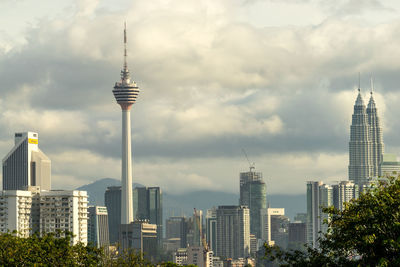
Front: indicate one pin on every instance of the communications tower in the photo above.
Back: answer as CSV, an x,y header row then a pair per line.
x,y
126,92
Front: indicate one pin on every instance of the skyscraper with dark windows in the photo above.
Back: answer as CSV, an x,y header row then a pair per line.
x,y
253,194
26,165
98,233
233,232
112,200
147,205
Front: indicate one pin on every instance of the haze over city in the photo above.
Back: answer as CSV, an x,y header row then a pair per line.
x,y
277,78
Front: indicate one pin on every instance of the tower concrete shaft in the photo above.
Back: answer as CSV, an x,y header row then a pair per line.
x,y
126,172
125,92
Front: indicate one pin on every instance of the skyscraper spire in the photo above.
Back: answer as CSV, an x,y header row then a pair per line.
x,y
372,85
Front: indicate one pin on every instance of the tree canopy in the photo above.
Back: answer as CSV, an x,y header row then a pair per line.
x,y
365,233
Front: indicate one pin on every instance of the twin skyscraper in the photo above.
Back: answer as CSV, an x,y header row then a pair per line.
x,y
366,142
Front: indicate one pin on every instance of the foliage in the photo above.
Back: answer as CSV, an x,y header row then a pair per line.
x,y
365,233
54,250
47,250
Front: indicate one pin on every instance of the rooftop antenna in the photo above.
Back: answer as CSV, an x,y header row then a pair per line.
x,y
251,165
372,85
125,54
359,82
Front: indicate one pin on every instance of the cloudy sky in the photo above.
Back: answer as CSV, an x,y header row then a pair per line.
x,y
277,78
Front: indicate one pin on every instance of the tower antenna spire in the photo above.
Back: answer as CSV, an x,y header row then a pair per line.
x,y
359,82
125,54
372,85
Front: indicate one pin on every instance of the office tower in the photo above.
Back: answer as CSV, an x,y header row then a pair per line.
x,y
199,256
64,211
173,226
233,232
267,234
343,192
98,227
112,200
319,196
377,146
360,168
147,205
126,92
253,194
253,244
389,165
211,228
176,227
366,141
26,165
197,228
280,230
140,236
297,235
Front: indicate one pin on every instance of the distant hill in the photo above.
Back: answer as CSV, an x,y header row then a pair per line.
x,y
183,204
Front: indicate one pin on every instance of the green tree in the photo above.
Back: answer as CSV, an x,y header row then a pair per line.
x,y
365,233
47,250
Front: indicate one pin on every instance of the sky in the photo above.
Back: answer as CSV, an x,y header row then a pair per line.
x,y
276,78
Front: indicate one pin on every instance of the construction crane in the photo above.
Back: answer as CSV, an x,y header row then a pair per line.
x,y
251,165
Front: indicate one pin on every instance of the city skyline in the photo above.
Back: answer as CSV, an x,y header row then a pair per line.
x,y
219,77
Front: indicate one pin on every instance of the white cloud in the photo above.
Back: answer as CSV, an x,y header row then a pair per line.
x,y
211,84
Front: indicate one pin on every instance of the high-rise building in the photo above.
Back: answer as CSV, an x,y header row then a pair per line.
x,y
319,196
197,228
343,192
147,205
297,235
112,200
280,230
26,165
140,236
377,146
389,165
126,92
272,220
233,232
16,212
64,210
98,227
176,227
211,228
253,194
366,142
34,211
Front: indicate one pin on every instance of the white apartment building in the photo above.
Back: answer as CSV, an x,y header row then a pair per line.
x,y
15,212
33,211
65,211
